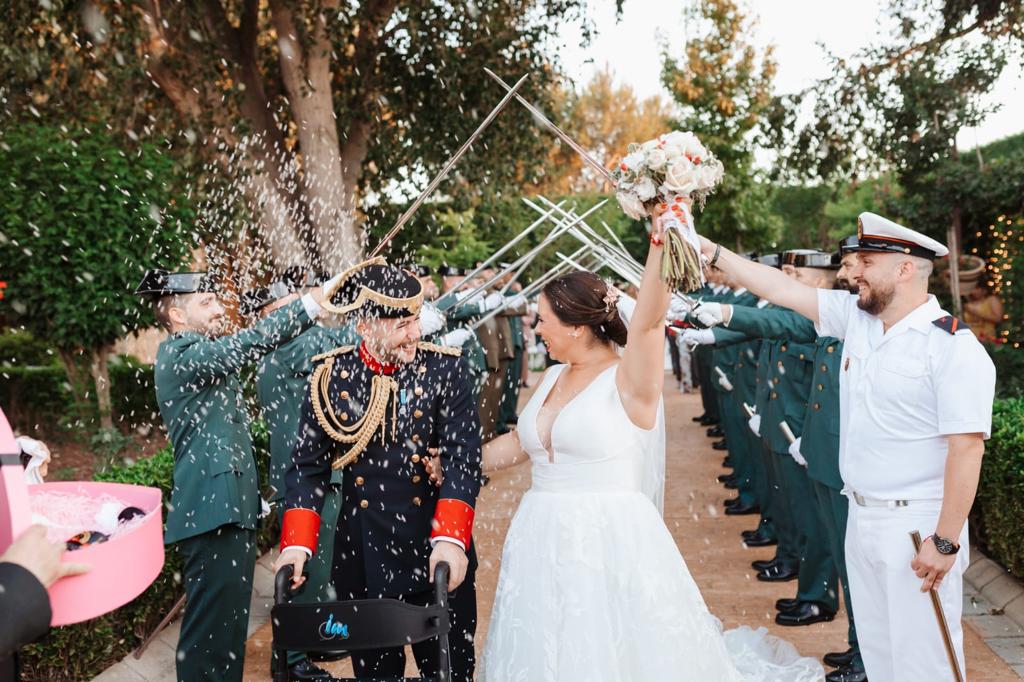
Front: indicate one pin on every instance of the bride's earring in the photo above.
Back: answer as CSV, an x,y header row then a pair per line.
x,y
576,333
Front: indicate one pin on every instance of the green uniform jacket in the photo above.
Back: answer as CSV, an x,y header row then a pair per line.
x,y
282,382
820,442
201,402
789,367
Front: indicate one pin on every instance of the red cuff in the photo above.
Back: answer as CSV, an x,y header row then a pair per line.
x,y
300,528
453,519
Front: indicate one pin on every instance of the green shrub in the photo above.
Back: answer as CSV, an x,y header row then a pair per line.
x,y
19,348
35,398
1009,362
999,506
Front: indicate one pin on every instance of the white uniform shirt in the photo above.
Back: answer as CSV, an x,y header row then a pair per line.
x,y
901,393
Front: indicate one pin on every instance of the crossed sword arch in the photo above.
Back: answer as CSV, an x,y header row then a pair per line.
x,y
595,253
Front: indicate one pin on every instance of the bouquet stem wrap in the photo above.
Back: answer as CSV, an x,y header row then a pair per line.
x,y
680,261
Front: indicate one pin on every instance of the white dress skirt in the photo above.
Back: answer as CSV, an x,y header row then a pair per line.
x,y
592,585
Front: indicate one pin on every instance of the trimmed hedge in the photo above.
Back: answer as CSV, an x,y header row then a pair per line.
x,y
999,507
37,397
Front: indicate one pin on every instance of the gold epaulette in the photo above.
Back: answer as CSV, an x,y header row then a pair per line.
x,y
443,350
340,350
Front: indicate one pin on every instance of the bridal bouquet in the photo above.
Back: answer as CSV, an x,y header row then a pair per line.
x,y
666,170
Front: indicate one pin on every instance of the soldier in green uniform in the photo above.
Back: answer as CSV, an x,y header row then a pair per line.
x,y
282,379
510,399
790,371
460,317
214,506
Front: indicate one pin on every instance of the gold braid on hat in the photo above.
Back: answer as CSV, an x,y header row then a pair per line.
x,y
361,432
412,303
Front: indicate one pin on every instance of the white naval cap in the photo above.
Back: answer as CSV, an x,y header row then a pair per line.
x,y
875,233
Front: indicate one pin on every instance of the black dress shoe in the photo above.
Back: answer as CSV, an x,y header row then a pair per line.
x,y
731,502
838,659
742,509
764,564
786,604
305,670
727,462
725,478
760,541
847,674
750,533
715,432
731,485
707,421
778,573
719,445
805,613
514,419
700,418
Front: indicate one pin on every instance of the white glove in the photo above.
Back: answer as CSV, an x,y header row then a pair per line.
x,y
794,452
709,314
431,320
329,284
457,337
492,301
755,424
698,337
264,508
516,301
725,384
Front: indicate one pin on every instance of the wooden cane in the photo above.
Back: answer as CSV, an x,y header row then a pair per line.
x,y
940,616
178,606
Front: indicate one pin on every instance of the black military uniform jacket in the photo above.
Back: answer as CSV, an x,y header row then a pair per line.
x,y
390,509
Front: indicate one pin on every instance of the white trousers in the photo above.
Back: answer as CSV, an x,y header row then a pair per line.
x,y
899,635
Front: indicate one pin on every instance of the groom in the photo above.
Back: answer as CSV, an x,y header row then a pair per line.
x,y
375,410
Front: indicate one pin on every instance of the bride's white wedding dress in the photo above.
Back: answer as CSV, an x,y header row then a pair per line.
x,y
592,586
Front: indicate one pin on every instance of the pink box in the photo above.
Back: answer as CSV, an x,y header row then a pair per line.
x,y
122,568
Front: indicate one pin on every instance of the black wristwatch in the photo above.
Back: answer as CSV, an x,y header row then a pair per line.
x,y
944,546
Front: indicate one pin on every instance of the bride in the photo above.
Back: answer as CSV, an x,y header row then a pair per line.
x,y
592,585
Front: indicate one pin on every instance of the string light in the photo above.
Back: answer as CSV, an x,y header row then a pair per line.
x,y
1006,235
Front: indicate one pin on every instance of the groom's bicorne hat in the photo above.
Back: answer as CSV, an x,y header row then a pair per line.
x,y
881,235
374,289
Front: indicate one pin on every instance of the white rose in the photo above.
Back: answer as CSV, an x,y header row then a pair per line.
x,y
631,205
676,138
709,175
656,159
679,178
633,161
646,189
649,145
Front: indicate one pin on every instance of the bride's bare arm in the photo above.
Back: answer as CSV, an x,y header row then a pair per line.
x,y
641,371
503,452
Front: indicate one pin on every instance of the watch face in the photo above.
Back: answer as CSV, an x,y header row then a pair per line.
x,y
943,545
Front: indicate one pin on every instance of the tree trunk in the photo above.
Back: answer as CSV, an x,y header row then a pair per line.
x,y
76,379
101,379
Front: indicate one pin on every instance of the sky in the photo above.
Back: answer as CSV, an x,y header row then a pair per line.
x,y
631,46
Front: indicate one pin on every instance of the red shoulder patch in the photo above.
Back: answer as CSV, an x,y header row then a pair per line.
x,y
950,324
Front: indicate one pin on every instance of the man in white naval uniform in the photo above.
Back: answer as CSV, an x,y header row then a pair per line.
x,y
916,392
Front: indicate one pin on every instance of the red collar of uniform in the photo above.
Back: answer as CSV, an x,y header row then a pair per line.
x,y
374,364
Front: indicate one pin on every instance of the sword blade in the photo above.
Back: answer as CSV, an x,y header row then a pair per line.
x,y
448,166
564,136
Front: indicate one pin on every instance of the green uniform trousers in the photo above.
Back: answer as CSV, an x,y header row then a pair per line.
x,y
788,550
510,399
218,575
734,426
834,508
818,581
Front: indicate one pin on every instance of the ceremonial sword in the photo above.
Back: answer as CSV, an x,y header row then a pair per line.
x,y
512,91
577,147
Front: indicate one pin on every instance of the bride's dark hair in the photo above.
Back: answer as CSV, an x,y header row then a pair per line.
x,y
578,298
